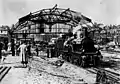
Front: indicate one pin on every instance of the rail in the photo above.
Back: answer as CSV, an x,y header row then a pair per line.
x,y
111,77
108,76
3,72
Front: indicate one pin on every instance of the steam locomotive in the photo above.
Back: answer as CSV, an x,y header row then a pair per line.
x,y
82,58
75,54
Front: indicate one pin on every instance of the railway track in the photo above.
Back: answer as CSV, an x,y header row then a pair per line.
x,y
42,69
112,76
111,51
3,71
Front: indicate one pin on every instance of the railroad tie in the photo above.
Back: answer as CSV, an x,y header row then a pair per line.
x,y
3,71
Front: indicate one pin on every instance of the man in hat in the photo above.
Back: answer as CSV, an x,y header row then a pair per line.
x,y
23,55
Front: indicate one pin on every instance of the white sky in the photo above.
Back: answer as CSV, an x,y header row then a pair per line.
x,y
101,11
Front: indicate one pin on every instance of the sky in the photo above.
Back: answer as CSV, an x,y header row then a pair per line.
x,y
100,11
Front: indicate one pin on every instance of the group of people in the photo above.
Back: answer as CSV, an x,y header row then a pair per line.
x,y
4,47
23,48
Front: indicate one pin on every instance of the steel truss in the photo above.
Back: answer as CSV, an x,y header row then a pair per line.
x,y
50,17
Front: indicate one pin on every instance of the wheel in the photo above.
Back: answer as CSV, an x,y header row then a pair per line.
x,y
72,59
96,61
69,58
63,56
87,60
83,61
79,60
66,57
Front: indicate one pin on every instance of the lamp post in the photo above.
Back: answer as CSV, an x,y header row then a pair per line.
x,y
24,35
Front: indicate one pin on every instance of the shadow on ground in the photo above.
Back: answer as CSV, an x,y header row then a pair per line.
x,y
20,66
9,63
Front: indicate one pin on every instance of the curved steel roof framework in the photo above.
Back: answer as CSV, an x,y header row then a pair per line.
x,y
50,17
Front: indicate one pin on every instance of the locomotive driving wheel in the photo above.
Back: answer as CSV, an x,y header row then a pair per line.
x,y
79,61
83,61
96,61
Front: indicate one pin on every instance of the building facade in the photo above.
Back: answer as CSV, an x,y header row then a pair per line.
x,y
3,33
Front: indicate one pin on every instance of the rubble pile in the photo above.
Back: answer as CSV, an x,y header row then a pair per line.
x,y
48,70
